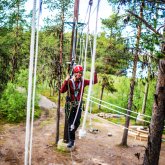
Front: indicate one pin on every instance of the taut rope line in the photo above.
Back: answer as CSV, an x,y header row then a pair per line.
x,y
117,106
117,111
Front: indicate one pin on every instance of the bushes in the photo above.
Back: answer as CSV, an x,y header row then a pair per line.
x,y
13,104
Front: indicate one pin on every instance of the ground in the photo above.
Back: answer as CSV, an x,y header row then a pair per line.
x,y
96,148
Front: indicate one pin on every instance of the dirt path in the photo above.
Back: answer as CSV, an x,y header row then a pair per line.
x,y
94,149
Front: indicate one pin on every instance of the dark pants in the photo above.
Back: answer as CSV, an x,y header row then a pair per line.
x,y
71,120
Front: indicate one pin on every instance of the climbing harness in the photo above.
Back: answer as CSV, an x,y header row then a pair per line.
x,y
76,90
76,103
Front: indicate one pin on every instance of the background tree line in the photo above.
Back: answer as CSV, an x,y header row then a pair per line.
x,y
117,51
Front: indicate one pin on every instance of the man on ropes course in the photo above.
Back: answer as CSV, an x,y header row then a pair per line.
x,y
73,107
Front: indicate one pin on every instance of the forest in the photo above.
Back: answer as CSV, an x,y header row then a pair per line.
x,y
129,59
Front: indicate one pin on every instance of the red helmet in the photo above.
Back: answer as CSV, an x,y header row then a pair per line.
x,y
77,68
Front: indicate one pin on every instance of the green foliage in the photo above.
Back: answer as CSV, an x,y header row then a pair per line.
x,y
13,104
121,121
4,70
21,78
120,97
139,95
107,82
113,53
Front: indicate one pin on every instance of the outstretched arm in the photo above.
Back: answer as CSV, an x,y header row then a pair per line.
x,y
86,82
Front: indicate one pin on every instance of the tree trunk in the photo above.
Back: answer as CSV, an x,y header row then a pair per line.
x,y
59,77
152,151
101,96
146,88
58,116
132,83
145,97
16,45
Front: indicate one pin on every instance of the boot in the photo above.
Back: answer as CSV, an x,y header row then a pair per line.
x,y
70,144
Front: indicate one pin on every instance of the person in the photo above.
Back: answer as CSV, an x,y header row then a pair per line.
x,y
75,87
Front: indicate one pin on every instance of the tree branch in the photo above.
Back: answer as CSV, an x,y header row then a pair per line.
x,y
146,23
156,1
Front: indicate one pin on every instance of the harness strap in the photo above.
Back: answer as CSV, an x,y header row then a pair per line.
x,y
76,91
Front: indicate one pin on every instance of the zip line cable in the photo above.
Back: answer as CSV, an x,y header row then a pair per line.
x,y
82,131
30,84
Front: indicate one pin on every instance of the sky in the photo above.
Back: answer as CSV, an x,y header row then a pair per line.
x,y
105,10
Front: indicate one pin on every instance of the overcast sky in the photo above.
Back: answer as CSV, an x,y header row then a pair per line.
x,y
105,10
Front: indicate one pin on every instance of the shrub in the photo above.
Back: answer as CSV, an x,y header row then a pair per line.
x,y
13,104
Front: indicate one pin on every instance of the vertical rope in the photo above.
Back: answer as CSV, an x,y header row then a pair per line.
x,y
82,131
86,45
74,41
30,84
82,54
80,51
82,86
90,119
34,85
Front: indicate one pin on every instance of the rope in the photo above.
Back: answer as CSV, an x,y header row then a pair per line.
x,y
121,125
82,87
31,92
82,55
80,50
91,47
34,85
119,107
30,84
74,41
90,119
117,111
82,131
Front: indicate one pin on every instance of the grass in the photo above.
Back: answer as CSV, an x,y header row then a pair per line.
x,y
121,121
46,93
47,122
